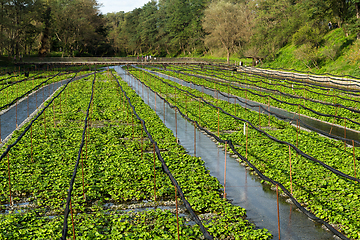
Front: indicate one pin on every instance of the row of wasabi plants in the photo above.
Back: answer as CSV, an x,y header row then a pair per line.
x,y
328,195
18,86
292,96
116,173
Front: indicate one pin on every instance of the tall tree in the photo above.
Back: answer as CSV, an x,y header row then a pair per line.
x,y
228,25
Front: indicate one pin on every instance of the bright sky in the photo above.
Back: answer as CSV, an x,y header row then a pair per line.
x,y
120,5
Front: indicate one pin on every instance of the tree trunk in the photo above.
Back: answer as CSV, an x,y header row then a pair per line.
x,y
45,44
357,7
228,56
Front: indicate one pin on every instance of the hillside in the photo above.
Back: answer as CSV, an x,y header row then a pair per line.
x,y
336,54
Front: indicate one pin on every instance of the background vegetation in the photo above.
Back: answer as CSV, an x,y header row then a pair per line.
x,y
279,33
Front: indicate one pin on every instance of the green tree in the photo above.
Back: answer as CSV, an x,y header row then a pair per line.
x,y
227,25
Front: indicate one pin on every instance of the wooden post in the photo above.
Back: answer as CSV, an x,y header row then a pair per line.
x,y
141,142
278,210
176,125
259,118
132,124
344,134
354,157
225,171
28,106
334,119
82,173
297,132
60,103
245,98
177,213
269,110
246,153
72,220
154,175
11,202
54,113
235,105
45,123
31,153
199,110
291,189
194,139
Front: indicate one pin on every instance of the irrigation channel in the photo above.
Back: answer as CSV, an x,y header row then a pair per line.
x,y
242,188
307,122
13,117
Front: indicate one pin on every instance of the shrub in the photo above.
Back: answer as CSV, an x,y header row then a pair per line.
x,y
307,34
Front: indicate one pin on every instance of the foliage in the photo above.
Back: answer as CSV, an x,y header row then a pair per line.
x,y
228,25
118,169
327,195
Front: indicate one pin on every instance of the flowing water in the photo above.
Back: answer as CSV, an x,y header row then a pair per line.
x,y
322,126
242,188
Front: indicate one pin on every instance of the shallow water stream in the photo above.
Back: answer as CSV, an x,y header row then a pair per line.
x,y
242,188
326,127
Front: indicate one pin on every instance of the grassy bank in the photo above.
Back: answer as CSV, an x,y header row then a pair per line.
x,y
336,53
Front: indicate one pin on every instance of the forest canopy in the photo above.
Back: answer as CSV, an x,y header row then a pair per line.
x,y
249,28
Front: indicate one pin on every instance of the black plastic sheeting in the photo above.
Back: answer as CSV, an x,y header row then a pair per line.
x,y
182,70
229,142
264,109
32,121
30,124
299,80
68,200
335,171
305,75
167,171
349,140
284,102
28,92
